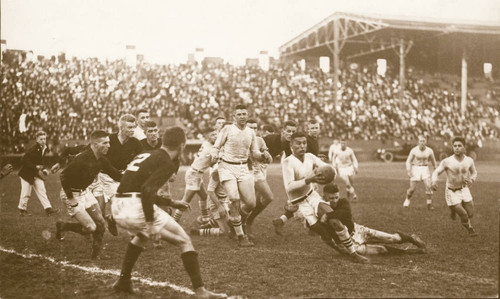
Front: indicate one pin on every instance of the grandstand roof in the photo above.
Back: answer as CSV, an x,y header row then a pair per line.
x,y
374,33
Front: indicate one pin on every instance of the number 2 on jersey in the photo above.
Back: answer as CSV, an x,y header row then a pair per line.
x,y
133,166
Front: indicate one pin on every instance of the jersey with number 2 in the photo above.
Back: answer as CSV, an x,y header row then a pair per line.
x,y
148,171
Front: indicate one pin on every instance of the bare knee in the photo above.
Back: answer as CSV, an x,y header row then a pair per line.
x,y
90,227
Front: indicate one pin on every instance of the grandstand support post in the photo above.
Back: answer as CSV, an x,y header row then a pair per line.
x,y
336,61
404,48
463,104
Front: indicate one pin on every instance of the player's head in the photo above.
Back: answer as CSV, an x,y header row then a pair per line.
x,y
99,142
252,124
422,141
126,125
174,139
41,138
142,117
458,144
298,144
331,192
343,143
313,128
241,114
151,130
210,134
289,128
267,130
219,122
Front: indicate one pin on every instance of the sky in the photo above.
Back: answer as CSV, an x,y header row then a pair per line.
x,y
166,31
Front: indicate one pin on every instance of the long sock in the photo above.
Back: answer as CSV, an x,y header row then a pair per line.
x,y
192,267
346,240
256,211
467,224
74,227
210,232
238,229
177,215
288,215
131,256
203,204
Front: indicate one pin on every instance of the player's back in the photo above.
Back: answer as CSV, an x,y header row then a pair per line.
x,y
203,159
142,168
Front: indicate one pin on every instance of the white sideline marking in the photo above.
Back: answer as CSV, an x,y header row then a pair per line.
x,y
97,270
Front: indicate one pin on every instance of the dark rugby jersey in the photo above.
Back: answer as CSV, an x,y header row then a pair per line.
x,y
276,146
83,169
146,147
312,145
147,173
69,153
121,154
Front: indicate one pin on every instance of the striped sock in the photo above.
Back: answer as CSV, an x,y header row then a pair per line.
x,y
210,232
203,204
177,215
346,240
237,227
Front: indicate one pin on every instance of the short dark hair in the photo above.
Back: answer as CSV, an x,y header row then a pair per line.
x,y
129,118
268,128
289,123
252,121
40,133
97,134
173,137
312,122
459,139
298,134
241,107
220,117
142,110
150,124
331,188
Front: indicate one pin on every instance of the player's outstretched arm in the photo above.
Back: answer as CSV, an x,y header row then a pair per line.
x,y
436,174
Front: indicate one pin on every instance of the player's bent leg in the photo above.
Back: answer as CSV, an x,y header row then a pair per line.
x,y
464,218
98,234
203,203
409,193
469,208
371,249
428,193
246,189
134,249
266,196
188,196
354,197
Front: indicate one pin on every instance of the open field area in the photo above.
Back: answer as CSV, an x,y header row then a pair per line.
x,y
296,265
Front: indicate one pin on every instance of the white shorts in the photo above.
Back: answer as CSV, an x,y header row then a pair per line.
x,y
129,215
193,179
96,187
84,200
108,185
346,171
363,235
456,197
228,172
309,207
420,173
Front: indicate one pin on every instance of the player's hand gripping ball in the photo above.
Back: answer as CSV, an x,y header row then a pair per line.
x,y
328,173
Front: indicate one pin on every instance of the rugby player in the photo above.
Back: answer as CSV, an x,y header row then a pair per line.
x,y
142,119
347,166
460,175
417,167
134,210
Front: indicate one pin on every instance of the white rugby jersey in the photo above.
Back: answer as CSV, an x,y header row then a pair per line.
x,y
295,172
237,143
203,158
457,171
345,158
418,157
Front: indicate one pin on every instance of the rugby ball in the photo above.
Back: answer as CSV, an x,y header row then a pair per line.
x,y
328,172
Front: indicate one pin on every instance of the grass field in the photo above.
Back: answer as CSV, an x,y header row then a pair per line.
x,y
296,265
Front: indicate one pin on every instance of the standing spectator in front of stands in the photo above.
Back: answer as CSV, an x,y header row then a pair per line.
x,y
32,175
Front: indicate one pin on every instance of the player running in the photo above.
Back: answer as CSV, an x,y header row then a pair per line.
x,y
134,210
460,175
346,164
238,142
417,167
194,176
80,202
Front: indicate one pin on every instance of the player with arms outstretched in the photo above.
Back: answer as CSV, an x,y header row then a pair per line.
x,y
417,167
134,210
460,174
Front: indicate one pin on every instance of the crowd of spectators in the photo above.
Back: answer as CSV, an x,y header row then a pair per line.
x,y
70,99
